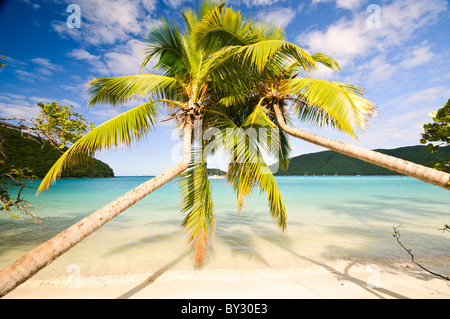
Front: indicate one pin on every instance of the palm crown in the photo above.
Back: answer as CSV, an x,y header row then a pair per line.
x,y
224,74
220,74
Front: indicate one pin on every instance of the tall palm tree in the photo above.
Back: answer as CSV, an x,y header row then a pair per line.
x,y
220,73
192,82
326,103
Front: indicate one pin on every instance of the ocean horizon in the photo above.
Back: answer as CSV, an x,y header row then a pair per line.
x,y
330,219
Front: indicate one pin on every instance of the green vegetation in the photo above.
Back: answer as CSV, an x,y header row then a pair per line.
x,y
332,163
230,74
27,151
437,134
215,171
16,179
21,150
2,65
58,124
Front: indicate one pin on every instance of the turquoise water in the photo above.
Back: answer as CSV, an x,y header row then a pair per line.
x,y
329,219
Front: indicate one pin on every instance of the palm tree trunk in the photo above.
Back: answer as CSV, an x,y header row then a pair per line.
x,y
35,260
401,166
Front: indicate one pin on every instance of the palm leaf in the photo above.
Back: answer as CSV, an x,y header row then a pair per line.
x,y
326,60
247,168
263,52
223,27
198,206
246,176
330,103
122,130
165,44
120,90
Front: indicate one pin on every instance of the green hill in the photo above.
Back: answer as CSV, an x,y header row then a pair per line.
x,y
24,152
215,171
332,163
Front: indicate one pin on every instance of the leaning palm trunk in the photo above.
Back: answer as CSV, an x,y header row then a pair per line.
x,y
401,166
38,258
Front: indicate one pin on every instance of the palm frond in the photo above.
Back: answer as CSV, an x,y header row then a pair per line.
x,y
122,130
197,204
330,103
246,176
223,27
247,168
263,52
120,90
164,43
326,60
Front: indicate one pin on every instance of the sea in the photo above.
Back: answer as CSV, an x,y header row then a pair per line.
x,y
330,219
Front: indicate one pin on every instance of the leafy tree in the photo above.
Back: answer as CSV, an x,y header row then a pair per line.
x,y
15,179
437,134
192,87
58,125
2,65
285,72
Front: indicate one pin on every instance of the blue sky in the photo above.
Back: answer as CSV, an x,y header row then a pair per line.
x,y
398,51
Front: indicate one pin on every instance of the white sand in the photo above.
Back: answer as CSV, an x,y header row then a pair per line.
x,y
341,281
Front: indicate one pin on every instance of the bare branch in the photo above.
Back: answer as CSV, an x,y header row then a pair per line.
x,y
446,228
31,129
397,237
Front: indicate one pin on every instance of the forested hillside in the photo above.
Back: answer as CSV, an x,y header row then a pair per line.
x,y
332,163
22,152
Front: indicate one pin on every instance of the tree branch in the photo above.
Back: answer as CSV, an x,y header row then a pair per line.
x,y
31,129
397,237
446,228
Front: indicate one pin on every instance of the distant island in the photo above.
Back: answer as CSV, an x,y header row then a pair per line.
x,y
332,163
39,156
215,172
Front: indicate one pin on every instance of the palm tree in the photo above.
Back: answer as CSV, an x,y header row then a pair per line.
x,y
326,103
221,74
193,82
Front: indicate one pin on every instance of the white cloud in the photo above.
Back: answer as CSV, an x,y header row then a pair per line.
x,y
35,6
112,27
373,71
81,54
430,98
354,37
69,102
250,3
176,3
41,69
14,63
103,114
343,4
325,73
124,59
281,17
349,4
46,64
17,105
110,21
343,41
410,109
418,56
25,76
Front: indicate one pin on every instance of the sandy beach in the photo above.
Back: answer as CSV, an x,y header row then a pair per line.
x,y
343,280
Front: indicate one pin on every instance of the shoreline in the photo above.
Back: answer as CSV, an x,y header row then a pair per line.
x,y
341,280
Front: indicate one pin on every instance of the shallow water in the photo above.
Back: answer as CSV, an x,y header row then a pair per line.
x,y
330,218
